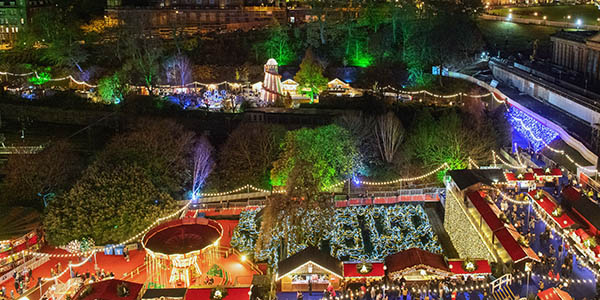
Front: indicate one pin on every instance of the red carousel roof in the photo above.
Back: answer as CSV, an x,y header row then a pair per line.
x,y
351,270
549,205
548,172
483,267
414,257
515,177
107,290
554,294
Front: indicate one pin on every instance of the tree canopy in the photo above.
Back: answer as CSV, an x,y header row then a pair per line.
x,y
310,76
313,159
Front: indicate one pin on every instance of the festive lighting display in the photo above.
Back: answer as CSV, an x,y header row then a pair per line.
x,y
538,134
495,157
390,229
357,181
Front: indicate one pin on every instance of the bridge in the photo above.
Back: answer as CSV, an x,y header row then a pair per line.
x,y
20,150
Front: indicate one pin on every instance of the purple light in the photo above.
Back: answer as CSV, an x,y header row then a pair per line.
x,y
538,134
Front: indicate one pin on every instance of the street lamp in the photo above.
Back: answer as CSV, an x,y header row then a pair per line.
x,y
578,23
528,270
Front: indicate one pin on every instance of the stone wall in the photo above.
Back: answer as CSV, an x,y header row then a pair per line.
x,y
464,235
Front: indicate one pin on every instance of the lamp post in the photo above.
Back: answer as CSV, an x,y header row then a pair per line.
x,y
528,270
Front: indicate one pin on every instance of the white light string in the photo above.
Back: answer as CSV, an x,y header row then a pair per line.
x,y
358,182
68,267
437,95
496,156
127,241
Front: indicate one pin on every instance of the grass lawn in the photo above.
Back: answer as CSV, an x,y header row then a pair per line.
x,y
512,38
589,14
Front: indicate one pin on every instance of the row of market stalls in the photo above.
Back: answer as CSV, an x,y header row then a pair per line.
x,y
314,270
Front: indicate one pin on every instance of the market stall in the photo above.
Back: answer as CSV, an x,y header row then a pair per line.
x,y
415,264
309,270
363,272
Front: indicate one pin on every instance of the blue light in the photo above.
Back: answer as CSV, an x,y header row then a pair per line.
x,y
355,180
538,134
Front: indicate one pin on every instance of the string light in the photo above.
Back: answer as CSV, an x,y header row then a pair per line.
x,y
496,156
546,145
437,95
444,166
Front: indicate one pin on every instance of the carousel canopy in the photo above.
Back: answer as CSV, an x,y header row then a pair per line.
x,y
183,236
468,177
554,294
107,290
415,258
309,255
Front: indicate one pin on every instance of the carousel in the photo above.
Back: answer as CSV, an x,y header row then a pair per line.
x,y
176,249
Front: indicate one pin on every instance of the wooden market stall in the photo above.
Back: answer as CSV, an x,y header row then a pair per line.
x,y
363,272
415,264
309,270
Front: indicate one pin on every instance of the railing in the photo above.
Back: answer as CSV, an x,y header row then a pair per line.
x,y
20,150
32,263
134,272
496,284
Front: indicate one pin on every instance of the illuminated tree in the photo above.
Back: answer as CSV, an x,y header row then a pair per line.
x,y
449,139
247,156
279,45
390,134
178,70
203,163
310,76
112,89
108,205
314,159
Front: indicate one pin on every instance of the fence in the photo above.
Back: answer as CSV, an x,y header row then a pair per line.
x,y
32,263
393,197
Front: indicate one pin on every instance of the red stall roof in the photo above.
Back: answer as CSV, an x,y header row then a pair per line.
x,y
548,172
483,267
350,270
505,233
486,212
415,257
508,238
554,294
548,205
515,177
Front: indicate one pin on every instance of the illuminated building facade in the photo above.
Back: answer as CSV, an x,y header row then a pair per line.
x,y
15,14
165,17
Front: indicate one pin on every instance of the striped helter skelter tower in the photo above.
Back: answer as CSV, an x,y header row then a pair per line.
x,y
272,83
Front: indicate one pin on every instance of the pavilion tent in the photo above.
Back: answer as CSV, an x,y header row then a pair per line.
x,y
309,269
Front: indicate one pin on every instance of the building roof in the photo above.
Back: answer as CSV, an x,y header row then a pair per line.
x,y
107,290
233,293
468,177
482,267
549,205
506,234
588,210
167,293
352,269
310,254
415,257
556,172
554,294
575,36
519,177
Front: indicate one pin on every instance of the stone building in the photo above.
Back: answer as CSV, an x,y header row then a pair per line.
x,y
190,17
14,15
578,51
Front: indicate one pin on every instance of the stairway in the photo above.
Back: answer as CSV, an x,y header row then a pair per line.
x,y
504,293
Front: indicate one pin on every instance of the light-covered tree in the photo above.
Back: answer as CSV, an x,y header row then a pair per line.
x,y
203,164
310,76
390,134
